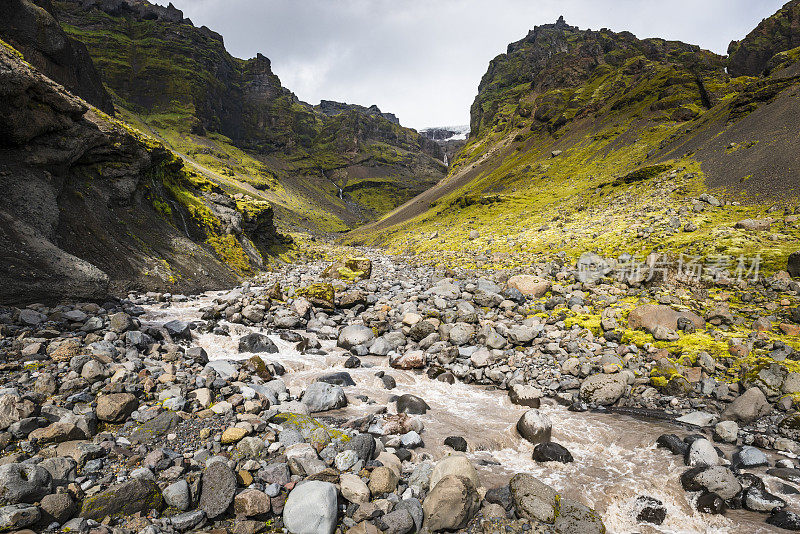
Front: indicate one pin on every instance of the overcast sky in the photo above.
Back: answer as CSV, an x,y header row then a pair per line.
x,y
423,59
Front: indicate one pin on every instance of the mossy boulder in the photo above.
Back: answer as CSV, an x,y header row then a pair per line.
x,y
320,294
350,269
307,425
128,498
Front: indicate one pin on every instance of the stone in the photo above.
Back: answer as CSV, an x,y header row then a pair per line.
x,y
576,518
178,329
23,483
364,446
701,452
716,479
382,480
754,225
412,404
412,359
218,489
726,431
119,322
456,443
127,498
551,452
535,426
57,507
748,457
345,460
650,510
710,503
533,499
354,489
13,409
760,500
793,264
649,316
321,397
256,343
339,378
525,395
17,516
155,428
232,435
747,407
603,389
456,465
177,495
187,520
311,508
397,522
354,335
116,407
251,503
451,504
530,286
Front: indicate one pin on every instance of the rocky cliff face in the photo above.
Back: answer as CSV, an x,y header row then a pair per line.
x,y
331,108
776,34
32,28
182,83
90,206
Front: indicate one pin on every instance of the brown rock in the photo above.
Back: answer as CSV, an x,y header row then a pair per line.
x,y
116,407
650,316
251,502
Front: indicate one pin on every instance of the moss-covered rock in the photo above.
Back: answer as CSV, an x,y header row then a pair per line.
x,y
131,497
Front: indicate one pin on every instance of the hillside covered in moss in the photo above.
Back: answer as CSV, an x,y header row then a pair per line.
x,y
599,141
328,167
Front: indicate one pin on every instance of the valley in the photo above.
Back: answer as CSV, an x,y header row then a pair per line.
x,y
226,310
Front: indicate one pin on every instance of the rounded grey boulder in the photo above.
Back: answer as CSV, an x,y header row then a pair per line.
x,y
311,508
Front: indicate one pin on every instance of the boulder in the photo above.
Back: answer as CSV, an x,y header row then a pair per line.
x,y
454,465
128,498
533,499
412,404
321,397
257,343
528,285
551,452
793,264
603,389
354,335
311,508
218,489
451,504
116,407
23,483
716,479
382,480
535,426
650,316
754,225
747,407
353,488
525,395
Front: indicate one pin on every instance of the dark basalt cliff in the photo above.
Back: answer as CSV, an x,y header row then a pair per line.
x,y
32,28
774,35
90,207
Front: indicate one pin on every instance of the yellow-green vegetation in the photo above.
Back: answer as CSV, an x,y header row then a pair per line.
x,y
306,425
319,291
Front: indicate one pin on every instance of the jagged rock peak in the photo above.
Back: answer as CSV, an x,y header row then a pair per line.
x,y
141,9
775,34
331,108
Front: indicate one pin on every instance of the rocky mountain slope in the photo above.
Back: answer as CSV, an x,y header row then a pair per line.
x,y
330,166
597,140
91,206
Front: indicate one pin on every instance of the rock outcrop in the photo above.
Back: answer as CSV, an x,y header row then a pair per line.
x,y
32,28
776,34
91,206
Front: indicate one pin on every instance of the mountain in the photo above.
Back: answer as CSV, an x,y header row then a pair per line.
x,y
587,140
91,206
328,167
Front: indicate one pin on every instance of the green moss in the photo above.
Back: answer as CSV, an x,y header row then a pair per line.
x,y
320,291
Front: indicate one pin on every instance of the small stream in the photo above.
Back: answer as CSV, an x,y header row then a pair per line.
x,y
616,459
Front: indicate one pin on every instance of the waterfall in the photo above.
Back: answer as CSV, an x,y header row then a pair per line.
x,y
445,159
340,194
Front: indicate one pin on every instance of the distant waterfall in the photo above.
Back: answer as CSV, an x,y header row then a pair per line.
x,y
445,159
340,193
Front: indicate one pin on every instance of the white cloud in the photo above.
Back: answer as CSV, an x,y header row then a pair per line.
x,y
423,59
